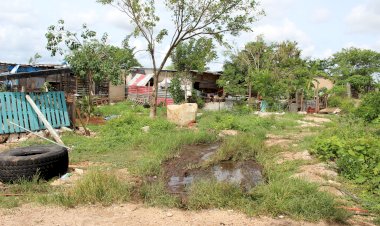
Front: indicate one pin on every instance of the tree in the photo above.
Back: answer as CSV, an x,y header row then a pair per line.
x,y
273,70
355,66
90,58
190,19
192,55
33,60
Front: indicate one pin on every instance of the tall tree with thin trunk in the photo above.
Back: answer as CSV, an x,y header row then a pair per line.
x,y
190,19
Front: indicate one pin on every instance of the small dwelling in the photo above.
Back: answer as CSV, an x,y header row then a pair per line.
x,y
54,77
203,83
140,89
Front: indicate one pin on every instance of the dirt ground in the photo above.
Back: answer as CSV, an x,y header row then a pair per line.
x,y
131,214
138,214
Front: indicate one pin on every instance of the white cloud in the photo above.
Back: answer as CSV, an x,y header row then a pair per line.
x,y
321,15
365,18
276,9
285,31
118,19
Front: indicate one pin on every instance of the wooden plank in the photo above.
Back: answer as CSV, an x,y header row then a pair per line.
x,y
8,100
15,112
47,107
60,104
66,114
56,109
19,111
3,115
51,107
46,123
24,111
32,117
37,101
42,106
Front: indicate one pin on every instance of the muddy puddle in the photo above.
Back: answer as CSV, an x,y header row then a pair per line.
x,y
181,171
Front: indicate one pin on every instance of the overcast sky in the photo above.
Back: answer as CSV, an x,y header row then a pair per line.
x,y
321,27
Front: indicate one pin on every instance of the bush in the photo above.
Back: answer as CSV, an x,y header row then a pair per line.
x,y
346,104
369,110
357,157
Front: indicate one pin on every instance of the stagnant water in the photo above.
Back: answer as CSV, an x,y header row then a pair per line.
x,y
180,174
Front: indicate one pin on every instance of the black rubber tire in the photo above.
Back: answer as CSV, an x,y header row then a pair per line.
x,y
25,163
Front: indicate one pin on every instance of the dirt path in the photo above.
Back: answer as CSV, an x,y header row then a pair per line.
x,y
131,214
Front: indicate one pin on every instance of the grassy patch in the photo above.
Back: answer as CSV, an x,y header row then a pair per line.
x,y
94,187
155,194
296,198
211,194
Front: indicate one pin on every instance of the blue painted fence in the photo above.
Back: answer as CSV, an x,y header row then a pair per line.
x,y
15,108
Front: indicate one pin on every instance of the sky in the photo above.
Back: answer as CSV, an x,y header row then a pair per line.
x,y
321,27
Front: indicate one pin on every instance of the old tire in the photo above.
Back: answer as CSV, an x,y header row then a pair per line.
x,y
24,163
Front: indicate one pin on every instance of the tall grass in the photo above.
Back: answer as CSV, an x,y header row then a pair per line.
x,y
95,187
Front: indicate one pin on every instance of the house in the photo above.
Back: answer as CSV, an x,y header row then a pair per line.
x,y
204,83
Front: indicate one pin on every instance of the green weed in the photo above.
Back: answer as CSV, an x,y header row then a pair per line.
x,y
94,187
155,194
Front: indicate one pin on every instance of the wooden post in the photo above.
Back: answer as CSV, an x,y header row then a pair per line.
x,y
44,121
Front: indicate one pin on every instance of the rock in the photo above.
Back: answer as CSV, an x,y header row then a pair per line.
x,y
281,217
169,214
291,156
199,114
302,113
224,133
145,129
79,171
65,129
13,138
330,111
22,137
58,182
182,114
332,190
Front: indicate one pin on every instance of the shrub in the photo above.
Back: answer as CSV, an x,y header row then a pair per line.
x,y
369,109
346,104
357,157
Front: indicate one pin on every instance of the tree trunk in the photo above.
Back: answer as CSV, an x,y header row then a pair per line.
x,y
153,103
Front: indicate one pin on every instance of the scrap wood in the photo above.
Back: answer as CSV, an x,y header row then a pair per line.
x,y
44,121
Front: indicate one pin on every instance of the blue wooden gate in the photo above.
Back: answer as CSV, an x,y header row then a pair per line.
x,y
15,108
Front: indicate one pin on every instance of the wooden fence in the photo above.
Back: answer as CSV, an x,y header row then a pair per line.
x,y
15,108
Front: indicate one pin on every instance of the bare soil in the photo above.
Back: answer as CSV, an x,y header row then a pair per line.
x,y
133,214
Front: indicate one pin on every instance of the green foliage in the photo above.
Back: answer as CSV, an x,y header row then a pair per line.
x,y
193,55
274,71
33,60
360,83
354,147
356,66
355,61
89,57
369,109
176,91
347,105
196,99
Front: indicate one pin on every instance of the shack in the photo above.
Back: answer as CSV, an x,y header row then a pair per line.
x,y
204,84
